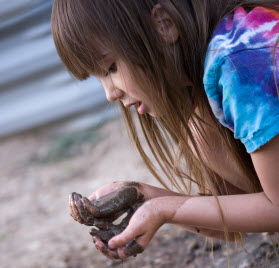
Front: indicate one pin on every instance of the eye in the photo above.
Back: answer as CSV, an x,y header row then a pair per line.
x,y
112,69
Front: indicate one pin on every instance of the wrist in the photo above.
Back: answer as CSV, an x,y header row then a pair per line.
x,y
167,207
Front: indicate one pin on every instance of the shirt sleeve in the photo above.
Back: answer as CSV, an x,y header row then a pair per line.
x,y
249,96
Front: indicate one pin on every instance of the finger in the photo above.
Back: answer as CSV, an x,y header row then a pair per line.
x,y
86,216
71,206
92,196
106,189
122,239
74,210
90,207
104,249
132,248
76,204
117,201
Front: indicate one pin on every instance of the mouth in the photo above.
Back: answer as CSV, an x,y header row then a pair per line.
x,y
130,104
141,108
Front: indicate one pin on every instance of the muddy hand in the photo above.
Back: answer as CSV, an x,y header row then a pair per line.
x,y
130,249
79,211
110,206
118,201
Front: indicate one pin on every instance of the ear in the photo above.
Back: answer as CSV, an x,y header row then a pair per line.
x,y
164,24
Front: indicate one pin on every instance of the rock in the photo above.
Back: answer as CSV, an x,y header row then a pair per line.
x,y
188,260
158,261
199,252
216,246
245,264
269,255
192,245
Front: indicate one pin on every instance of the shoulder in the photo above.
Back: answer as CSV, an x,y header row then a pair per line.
x,y
240,74
239,32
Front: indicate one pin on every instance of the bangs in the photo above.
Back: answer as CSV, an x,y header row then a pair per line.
x,y
77,38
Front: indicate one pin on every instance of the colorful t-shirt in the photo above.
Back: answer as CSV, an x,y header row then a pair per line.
x,y
239,75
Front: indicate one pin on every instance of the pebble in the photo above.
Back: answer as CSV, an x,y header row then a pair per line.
x,y
245,264
199,252
192,245
269,255
158,261
188,259
216,246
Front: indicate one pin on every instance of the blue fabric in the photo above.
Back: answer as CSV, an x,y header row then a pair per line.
x,y
239,75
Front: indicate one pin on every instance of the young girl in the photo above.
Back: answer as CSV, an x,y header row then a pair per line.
x,y
203,77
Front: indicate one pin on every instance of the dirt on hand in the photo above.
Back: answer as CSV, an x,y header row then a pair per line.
x,y
103,212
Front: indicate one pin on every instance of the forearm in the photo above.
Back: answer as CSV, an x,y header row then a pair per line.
x,y
155,192
151,192
242,213
220,235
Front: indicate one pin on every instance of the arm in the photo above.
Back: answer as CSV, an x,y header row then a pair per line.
x,y
256,212
243,213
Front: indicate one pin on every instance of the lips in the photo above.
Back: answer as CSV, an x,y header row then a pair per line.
x,y
141,108
130,104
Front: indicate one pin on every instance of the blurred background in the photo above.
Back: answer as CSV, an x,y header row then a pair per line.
x,y
58,136
35,89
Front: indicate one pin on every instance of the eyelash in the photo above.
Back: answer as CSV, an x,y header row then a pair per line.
x,y
112,69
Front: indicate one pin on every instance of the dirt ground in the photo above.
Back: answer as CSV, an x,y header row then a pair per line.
x,y
39,169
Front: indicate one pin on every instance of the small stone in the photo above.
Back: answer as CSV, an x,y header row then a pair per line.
x,y
263,244
199,252
216,246
188,259
260,255
67,258
109,263
269,255
245,264
158,261
228,251
193,245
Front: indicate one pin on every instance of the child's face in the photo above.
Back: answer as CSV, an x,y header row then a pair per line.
x,y
119,85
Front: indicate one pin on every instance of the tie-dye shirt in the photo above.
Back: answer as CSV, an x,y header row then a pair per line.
x,y
239,75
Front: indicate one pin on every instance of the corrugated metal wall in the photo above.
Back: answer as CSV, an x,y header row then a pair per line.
x,y
34,86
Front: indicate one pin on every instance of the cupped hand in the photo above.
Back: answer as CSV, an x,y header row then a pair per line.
x,y
142,226
110,200
106,189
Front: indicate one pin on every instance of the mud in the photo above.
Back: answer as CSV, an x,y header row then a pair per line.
x,y
101,214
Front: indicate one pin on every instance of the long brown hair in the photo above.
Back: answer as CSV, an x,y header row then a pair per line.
x,y
81,27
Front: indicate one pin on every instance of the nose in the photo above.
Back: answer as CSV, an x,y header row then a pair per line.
x,y
112,92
